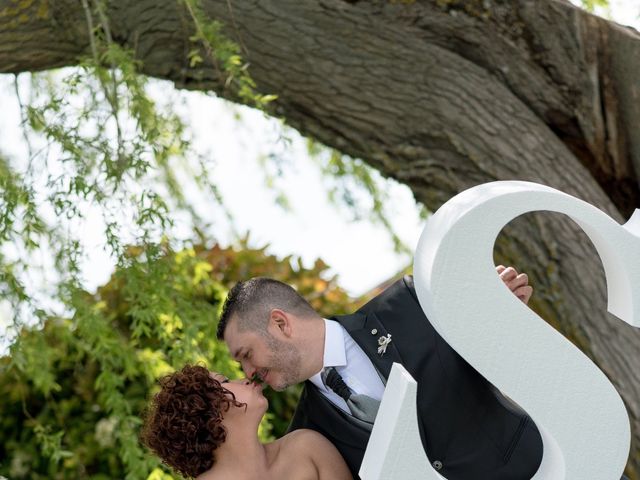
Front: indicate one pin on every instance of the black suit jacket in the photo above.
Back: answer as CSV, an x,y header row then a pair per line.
x,y
466,425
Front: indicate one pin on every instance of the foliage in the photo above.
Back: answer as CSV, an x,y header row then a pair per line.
x,y
224,55
351,182
592,5
73,391
99,146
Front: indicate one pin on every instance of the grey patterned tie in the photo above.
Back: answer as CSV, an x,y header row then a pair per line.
x,y
362,407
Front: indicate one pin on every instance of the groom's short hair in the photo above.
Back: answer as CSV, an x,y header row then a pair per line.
x,y
251,302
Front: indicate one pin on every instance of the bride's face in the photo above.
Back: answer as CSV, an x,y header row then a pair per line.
x,y
244,391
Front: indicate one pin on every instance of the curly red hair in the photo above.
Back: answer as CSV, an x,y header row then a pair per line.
x,y
184,423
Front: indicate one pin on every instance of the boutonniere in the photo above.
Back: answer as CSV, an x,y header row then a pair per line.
x,y
383,342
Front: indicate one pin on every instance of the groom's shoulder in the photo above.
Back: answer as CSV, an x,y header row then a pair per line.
x,y
396,294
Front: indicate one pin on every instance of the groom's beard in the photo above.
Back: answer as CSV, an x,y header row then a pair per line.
x,y
284,359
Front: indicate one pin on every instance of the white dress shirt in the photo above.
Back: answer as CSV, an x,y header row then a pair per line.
x,y
357,371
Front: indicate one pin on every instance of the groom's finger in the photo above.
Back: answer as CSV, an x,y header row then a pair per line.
x,y
508,274
524,293
517,282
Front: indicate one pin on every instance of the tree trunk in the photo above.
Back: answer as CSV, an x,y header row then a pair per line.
x,y
440,95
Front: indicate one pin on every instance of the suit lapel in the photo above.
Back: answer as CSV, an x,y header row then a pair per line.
x,y
366,329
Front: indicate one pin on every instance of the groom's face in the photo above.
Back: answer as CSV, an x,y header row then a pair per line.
x,y
274,360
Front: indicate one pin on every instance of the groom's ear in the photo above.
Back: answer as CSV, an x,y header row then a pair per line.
x,y
280,321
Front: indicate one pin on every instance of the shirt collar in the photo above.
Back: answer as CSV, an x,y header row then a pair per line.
x,y
334,351
335,354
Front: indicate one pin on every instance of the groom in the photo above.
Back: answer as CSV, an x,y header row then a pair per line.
x,y
469,430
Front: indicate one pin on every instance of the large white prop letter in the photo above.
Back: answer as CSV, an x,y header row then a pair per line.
x,y
583,421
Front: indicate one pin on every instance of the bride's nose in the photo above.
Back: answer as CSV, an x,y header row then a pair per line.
x,y
237,381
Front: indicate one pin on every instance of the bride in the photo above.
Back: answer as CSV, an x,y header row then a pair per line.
x,y
205,426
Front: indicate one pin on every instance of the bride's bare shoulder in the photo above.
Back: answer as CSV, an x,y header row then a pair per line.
x,y
303,435
303,441
319,451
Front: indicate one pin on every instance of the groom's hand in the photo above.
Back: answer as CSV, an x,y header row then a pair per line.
x,y
517,283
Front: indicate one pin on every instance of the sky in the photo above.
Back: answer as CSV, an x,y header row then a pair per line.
x,y
626,12
361,254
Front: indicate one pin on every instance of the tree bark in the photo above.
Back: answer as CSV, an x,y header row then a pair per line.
x,y
440,95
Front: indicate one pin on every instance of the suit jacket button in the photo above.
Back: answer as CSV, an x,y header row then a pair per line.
x,y
437,465
374,331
